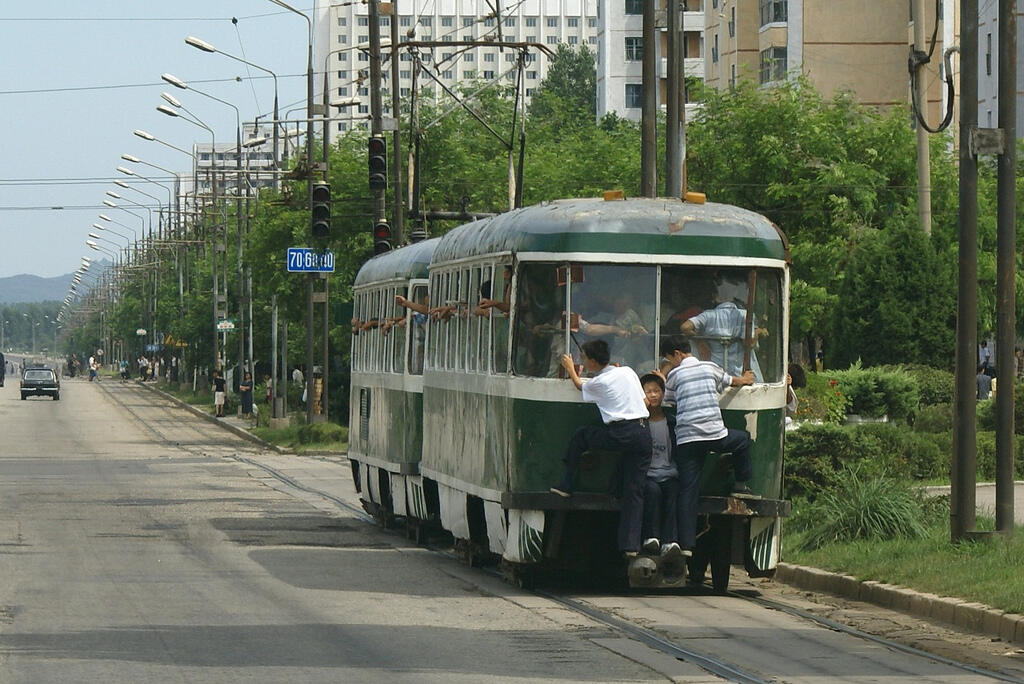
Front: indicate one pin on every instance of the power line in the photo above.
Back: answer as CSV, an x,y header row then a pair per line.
x,y
121,86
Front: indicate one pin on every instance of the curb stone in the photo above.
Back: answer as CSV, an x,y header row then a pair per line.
x,y
970,616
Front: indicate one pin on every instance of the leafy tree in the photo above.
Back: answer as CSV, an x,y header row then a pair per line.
x,y
567,97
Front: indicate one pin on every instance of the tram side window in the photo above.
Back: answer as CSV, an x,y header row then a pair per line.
x,y
501,289
395,328
539,336
373,331
357,352
480,314
472,322
616,303
417,332
710,306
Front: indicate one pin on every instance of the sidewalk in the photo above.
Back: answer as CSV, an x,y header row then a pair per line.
x,y
309,471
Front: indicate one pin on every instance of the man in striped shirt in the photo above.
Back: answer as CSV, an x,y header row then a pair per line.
x,y
696,386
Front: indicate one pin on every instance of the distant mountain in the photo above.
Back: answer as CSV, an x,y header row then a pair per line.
x,y
32,288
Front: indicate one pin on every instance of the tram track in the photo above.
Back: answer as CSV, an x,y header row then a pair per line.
x,y
651,638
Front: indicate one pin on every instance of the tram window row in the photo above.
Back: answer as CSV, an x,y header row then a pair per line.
x,y
468,322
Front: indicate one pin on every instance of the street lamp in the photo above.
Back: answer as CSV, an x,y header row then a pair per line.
x,y
114,205
196,121
206,47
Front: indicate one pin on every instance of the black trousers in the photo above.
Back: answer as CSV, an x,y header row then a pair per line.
x,y
633,440
690,462
661,509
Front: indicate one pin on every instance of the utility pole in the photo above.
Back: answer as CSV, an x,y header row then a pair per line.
x,y
674,134
396,112
962,480
924,181
648,125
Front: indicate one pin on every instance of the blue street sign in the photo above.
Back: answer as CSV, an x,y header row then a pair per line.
x,y
305,260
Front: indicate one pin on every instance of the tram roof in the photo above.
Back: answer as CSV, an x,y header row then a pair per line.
x,y
631,226
405,262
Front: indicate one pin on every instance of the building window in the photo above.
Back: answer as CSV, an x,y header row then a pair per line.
x,y
634,95
510,21
489,57
529,92
363,57
342,21
634,48
591,22
592,40
342,38
531,39
573,40
988,54
531,21
572,22
405,73
489,75
551,40
405,21
364,91
714,51
468,57
447,21
732,77
732,22
468,74
446,38
552,22
773,11
447,75
531,75
343,90
365,38
364,21
342,126
385,21
634,6
773,64
467,21
489,21
445,56
364,109
403,92
343,73
425,21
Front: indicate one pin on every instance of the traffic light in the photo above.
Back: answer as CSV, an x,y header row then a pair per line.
x,y
381,237
378,162
321,225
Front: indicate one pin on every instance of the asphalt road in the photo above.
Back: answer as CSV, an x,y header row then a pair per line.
x,y
139,543
133,548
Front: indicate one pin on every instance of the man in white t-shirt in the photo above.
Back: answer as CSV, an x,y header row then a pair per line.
x,y
620,400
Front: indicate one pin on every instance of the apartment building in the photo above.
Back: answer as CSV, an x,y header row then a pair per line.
x,y
620,53
988,65
343,31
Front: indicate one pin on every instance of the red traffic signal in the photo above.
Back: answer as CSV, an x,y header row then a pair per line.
x,y
381,238
377,162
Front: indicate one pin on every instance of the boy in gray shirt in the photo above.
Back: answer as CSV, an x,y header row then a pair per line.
x,y
661,487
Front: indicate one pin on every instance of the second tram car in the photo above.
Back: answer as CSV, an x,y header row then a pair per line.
x,y
460,416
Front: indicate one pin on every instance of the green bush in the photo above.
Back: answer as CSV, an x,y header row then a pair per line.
x,y
934,385
813,455
875,392
322,433
862,507
821,400
934,418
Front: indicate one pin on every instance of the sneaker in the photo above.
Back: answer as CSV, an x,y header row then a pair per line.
x,y
560,492
744,492
651,546
671,550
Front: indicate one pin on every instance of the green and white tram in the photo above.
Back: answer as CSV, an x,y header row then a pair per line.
x,y
497,416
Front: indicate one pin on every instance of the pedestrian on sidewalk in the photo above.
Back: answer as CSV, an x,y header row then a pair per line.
x,y
245,394
219,390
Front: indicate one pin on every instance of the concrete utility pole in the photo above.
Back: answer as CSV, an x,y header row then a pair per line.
x,y
675,116
962,480
648,124
1006,241
396,138
924,180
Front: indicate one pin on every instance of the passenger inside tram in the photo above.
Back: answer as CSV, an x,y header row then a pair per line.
x,y
720,332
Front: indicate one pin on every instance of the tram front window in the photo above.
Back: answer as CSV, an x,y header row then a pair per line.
x,y
617,304
611,302
728,323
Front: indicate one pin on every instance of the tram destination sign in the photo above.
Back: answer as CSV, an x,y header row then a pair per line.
x,y
306,260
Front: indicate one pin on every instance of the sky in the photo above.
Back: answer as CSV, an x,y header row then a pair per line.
x,y
76,78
